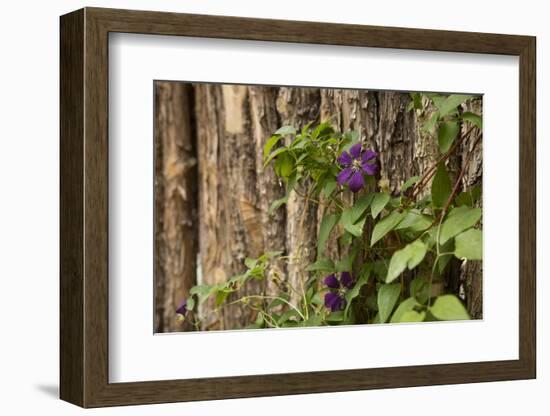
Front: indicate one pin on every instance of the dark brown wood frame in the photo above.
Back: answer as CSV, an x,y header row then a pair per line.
x,y
84,207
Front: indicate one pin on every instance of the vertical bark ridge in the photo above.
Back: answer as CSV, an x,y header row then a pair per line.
x,y
297,107
176,214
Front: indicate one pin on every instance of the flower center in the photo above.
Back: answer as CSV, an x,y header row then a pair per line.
x,y
356,164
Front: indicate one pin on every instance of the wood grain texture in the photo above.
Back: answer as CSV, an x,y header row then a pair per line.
x,y
175,218
71,216
84,207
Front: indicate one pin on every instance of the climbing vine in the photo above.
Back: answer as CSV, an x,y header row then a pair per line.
x,y
392,248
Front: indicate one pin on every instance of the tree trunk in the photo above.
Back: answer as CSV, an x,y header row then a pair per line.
x,y
232,125
297,107
472,271
175,203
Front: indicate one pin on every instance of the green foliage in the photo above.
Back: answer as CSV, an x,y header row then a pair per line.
x,y
379,202
441,187
387,298
447,135
472,118
385,225
448,308
393,242
408,257
353,219
468,245
408,311
458,220
327,224
450,104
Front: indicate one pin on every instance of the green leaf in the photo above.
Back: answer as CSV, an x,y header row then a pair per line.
x,y
431,122
286,315
437,99
322,129
271,254
419,289
409,182
413,316
356,289
459,219
385,225
314,320
327,224
274,154
359,207
398,263
323,264
259,322
441,187
337,316
387,297
250,263
284,165
202,292
190,304
270,143
443,260
351,216
415,221
329,186
356,229
473,118
353,136
277,302
449,308
346,263
469,197
468,245
286,130
451,103
409,256
277,204
221,296
379,202
404,307
447,135
416,101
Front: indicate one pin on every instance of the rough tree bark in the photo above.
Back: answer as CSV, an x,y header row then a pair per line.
x,y
175,202
472,271
235,191
297,107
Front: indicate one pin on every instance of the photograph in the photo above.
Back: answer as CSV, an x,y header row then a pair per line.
x,y
293,207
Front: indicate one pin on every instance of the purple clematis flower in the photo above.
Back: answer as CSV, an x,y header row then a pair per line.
x,y
332,281
346,279
182,309
334,299
355,163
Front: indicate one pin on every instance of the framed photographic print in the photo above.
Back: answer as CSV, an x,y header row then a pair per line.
x,y
256,207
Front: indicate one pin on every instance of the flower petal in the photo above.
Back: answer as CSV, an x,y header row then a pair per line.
x,y
345,159
355,151
357,181
344,176
346,279
368,155
370,169
332,300
331,281
182,309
